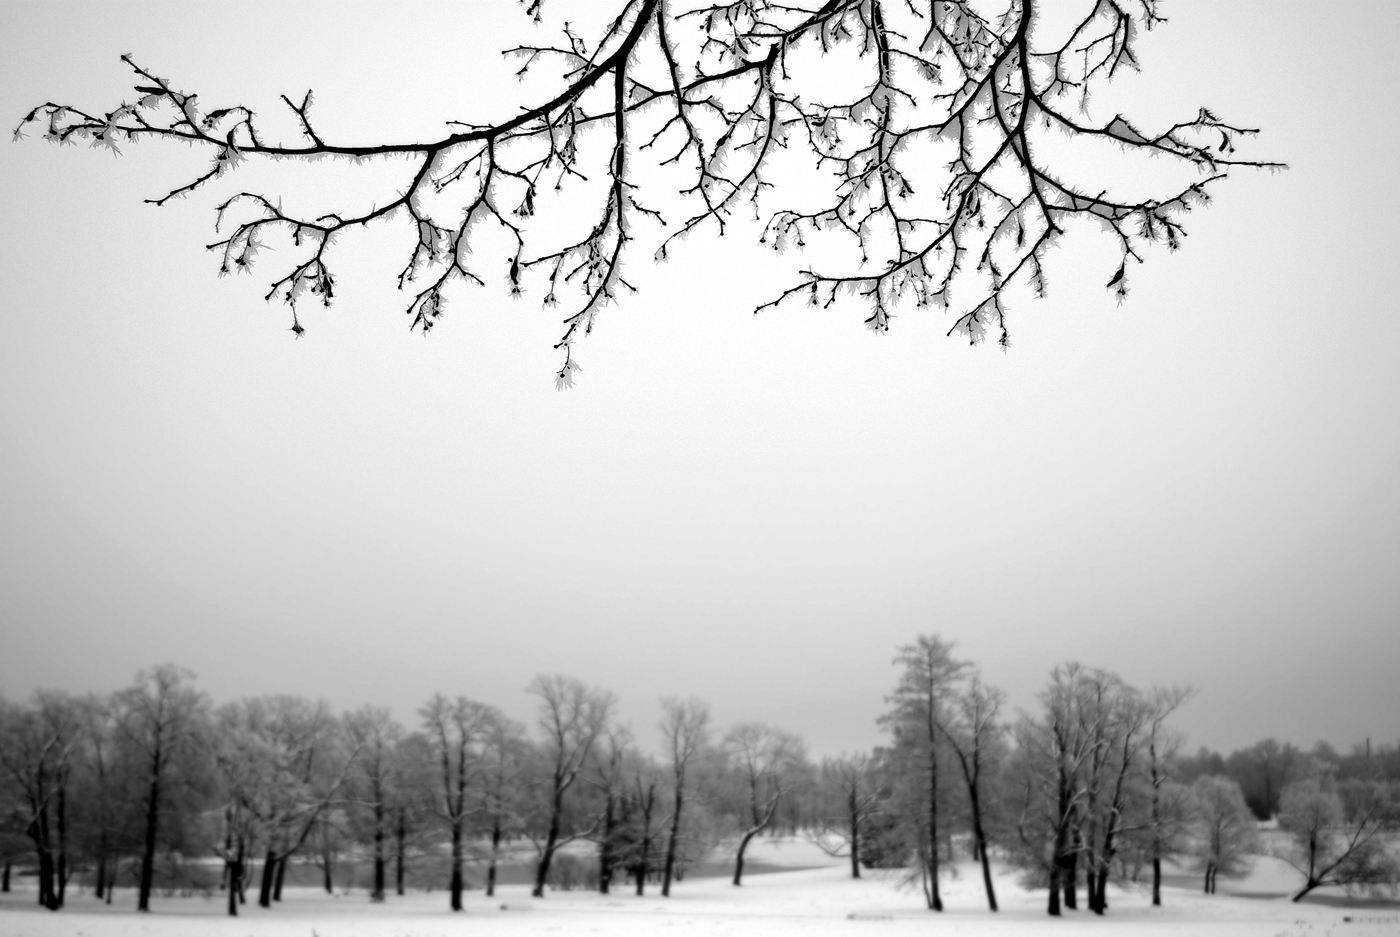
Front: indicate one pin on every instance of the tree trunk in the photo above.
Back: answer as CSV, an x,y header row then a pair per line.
x,y
328,880
550,842
644,860
148,855
1060,850
739,858
39,833
269,871
242,879
853,812
456,886
401,835
5,878
1102,889
61,870
235,881
378,893
935,899
281,877
669,870
605,856
979,843
47,897
1156,824
495,856
1071,873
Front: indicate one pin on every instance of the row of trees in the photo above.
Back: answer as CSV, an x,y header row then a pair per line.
x,y
1090,788
155,784
1265,768
154,781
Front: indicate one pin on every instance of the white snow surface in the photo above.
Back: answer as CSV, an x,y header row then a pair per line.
x,y
811,902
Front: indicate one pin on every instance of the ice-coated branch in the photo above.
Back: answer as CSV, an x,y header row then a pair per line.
x,y
946,152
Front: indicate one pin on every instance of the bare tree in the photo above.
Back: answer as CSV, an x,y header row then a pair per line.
x,y
1337,841
917,710
685,731
507,752
1083,776
764,765
974,734
1227,831
1053,757
164,720
1121,715
639,809
37,747
238,836
1162,748
848,798
329,840
284,767
962,146
243,768
457,731
572,718
375,736
609,763
415,803
101,791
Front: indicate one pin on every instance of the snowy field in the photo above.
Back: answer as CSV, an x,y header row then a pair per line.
x,y
812,902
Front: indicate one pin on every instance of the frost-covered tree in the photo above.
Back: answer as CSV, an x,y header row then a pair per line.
x,y
760,766
507,753
1079,777
1336,840
847,797
284,764
1166,818
974,735
38,745
607,778
639,822
946,147
572,718
918,711
1226,831
685,733
163,723
457,730
375,782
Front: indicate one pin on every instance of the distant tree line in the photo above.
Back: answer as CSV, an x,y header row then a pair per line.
x,y
156,788
1265,768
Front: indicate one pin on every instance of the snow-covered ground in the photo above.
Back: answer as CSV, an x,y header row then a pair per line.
x,y
810,902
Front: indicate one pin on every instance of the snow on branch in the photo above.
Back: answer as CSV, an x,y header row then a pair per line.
x,y
943,182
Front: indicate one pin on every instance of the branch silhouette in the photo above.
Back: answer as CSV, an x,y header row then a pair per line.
x,y
946,156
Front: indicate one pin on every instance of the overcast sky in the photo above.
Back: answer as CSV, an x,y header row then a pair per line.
x,y
1200,486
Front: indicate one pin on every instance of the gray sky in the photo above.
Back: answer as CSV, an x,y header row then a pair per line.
x,y
1200,486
